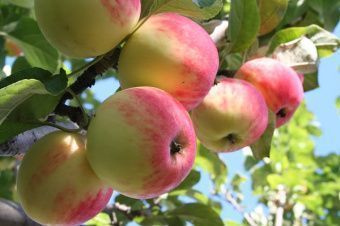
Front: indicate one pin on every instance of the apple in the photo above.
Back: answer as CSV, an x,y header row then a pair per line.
x,y
279,84
12,48
141,142
86,28
56,185
173,53
233,115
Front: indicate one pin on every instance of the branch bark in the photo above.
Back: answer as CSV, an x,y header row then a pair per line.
x,y
229,197
281,201
11,214
21,143
88,78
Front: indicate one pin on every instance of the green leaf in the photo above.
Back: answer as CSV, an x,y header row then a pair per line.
x,y
25,116
192,179
135,204
55,84
100,219
23,3
311,81
295,10
233,223
15,94
261,148
7,177
26,97
7,181
2,74
202,9
244,24
211,163
237,181
198,214
271,14
337,104
320,37
250,162
328,11
20,64
38,52
2,53
11,13
197,196
162,220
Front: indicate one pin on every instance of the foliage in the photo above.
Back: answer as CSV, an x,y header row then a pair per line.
x,y
306,186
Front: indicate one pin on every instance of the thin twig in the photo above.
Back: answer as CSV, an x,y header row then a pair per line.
x,y
281,201
229,198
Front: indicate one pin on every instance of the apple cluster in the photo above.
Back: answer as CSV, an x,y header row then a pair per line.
x,y
142,140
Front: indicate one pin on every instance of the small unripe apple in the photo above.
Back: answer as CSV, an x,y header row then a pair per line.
x,y
279,84
233,115
141,142
56,185
86,28
173,53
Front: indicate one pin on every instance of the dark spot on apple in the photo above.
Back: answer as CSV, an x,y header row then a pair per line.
x,y
232,138
281,113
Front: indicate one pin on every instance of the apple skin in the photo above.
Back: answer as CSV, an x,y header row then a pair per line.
x,y
12,48
233,115
279,84
86,28
56,185
172,53
131,142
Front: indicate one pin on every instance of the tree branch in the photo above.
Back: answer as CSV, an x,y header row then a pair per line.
x,y
84,81
75,114
229,197
11,214
281,201
88,78
21,143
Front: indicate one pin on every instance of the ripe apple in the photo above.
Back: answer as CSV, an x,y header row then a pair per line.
x,y
141,142
86,28
56,185
172,53
233,115
279,84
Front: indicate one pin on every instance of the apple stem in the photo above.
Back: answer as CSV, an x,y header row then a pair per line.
x,y
232,138
175,147
282,113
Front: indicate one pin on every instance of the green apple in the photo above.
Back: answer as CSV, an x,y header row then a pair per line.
x,y
141,142
86,28
56,185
